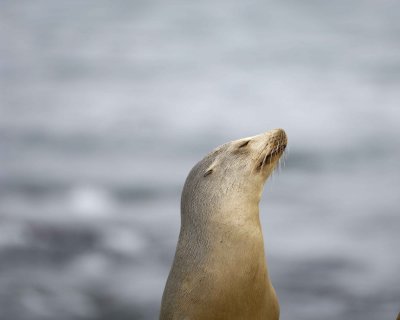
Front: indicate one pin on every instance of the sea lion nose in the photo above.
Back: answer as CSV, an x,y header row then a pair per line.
x,y
279,135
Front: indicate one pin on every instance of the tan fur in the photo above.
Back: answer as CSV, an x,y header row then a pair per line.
x,y
219,270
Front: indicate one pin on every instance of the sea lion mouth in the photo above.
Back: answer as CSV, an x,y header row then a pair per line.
x,y
269,157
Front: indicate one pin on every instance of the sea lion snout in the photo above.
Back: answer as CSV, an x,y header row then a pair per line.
x,y
279,137
272,145
277,141
272,139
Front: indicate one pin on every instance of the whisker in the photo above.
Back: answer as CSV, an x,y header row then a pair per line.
x,y
263,162
274,150
269,157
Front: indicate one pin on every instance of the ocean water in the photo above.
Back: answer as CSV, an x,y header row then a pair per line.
x,y
105,107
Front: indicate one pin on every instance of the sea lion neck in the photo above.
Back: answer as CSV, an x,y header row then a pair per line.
x,y
204,218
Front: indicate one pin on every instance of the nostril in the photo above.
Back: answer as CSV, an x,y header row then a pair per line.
x,y
280,132
280,136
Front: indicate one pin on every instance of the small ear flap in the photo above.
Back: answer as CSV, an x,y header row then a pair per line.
x,y
209,170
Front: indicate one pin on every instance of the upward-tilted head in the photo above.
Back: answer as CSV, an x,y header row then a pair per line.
x,y
237,169
219,270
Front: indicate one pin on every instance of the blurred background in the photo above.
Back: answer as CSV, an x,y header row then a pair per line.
x,y
106,105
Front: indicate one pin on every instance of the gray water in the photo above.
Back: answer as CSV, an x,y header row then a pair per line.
x,y
106,105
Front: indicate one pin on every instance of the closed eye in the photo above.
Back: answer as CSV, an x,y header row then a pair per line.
x,y
244,144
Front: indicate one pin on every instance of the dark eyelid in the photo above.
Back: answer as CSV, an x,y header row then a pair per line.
x,y
244,144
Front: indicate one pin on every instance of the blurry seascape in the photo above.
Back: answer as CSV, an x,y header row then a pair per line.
x,y
105,107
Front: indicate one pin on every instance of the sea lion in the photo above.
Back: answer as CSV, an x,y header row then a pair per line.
x,y
219,270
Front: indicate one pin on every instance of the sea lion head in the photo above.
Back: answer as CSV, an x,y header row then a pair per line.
x,y
233,174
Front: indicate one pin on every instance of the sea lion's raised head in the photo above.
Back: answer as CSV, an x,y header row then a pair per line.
x,y
233,172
